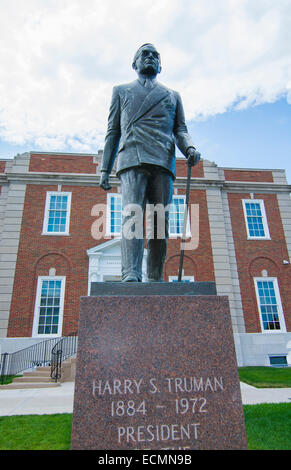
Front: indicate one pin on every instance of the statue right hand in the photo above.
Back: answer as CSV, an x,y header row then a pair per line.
x,y
104,181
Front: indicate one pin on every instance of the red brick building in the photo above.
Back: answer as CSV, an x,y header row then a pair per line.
x,y
60,232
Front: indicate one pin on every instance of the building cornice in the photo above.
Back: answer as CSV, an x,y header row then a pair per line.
x,y
234,186
77,179
251,186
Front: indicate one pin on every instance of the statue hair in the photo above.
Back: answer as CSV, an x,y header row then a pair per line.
x,y
139,51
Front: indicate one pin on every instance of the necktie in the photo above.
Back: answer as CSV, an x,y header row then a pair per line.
x,y
148,83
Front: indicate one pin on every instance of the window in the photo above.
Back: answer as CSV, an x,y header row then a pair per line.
x,y
183,279
114,214
278,361
269,304
57,213
49,304
256,220
176,217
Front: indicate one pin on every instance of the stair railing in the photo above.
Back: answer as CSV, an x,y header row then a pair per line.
x,y
66,347
4,366
37,355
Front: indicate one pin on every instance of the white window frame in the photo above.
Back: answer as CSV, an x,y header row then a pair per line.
x,y
109,233
46,213
279,304
264,219
37,307
188,228
184,278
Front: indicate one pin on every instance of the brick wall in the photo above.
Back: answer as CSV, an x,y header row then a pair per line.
x,y
62,163
253,256
261,176
198,262
2,166
38,253
181,169
2,170
67,254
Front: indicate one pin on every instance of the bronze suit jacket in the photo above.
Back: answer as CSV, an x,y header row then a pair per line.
x,y
143,127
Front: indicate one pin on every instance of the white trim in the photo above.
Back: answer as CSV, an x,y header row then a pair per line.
x,y
105,260
279,304
46,212
285,213
184,278
40,279
108,216
73,154
264,219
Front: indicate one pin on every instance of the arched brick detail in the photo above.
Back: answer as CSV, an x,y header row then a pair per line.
x,y
259,263
55,260
172,264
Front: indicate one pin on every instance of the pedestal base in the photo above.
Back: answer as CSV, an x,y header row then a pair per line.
x,y
156,372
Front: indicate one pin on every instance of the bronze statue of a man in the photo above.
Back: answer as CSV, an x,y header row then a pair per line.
x,y
145,121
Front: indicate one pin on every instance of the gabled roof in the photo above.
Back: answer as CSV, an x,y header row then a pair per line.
x,y
111,247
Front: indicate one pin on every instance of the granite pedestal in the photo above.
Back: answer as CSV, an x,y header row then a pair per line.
x,y
156,371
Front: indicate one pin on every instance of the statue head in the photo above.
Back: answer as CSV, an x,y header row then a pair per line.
x,y
147,60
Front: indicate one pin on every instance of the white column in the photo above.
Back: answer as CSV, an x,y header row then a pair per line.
x,y
225,268
11,208
284,202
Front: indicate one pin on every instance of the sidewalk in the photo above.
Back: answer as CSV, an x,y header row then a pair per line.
x,y
60,399
252,395
37,401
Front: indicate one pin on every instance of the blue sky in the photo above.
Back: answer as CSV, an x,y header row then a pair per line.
x,y
258,137
229,59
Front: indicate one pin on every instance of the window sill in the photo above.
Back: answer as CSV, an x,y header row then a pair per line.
x,y
179,235
56,234
48,335
259,238
270,332
110,235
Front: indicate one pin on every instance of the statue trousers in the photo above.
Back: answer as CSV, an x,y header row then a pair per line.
x,y
145,189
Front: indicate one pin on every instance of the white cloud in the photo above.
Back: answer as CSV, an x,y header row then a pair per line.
x,y
59,61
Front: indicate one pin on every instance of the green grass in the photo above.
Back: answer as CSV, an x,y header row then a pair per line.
x,y
7,379
268,427
36,432
266,377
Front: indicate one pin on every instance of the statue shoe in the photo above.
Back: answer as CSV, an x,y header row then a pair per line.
x,y
130,278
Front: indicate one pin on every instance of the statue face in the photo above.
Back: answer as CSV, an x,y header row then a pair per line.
x,y
148,61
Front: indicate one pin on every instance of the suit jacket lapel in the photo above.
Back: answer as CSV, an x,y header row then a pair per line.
x,y
157,94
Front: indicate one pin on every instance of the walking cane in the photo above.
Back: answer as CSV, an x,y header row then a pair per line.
x,y
185,220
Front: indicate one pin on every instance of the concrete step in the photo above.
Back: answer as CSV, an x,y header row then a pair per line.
x,y
39,378
38,373
32,378
43,369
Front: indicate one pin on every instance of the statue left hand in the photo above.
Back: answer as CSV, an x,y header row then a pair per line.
x,y
193,156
